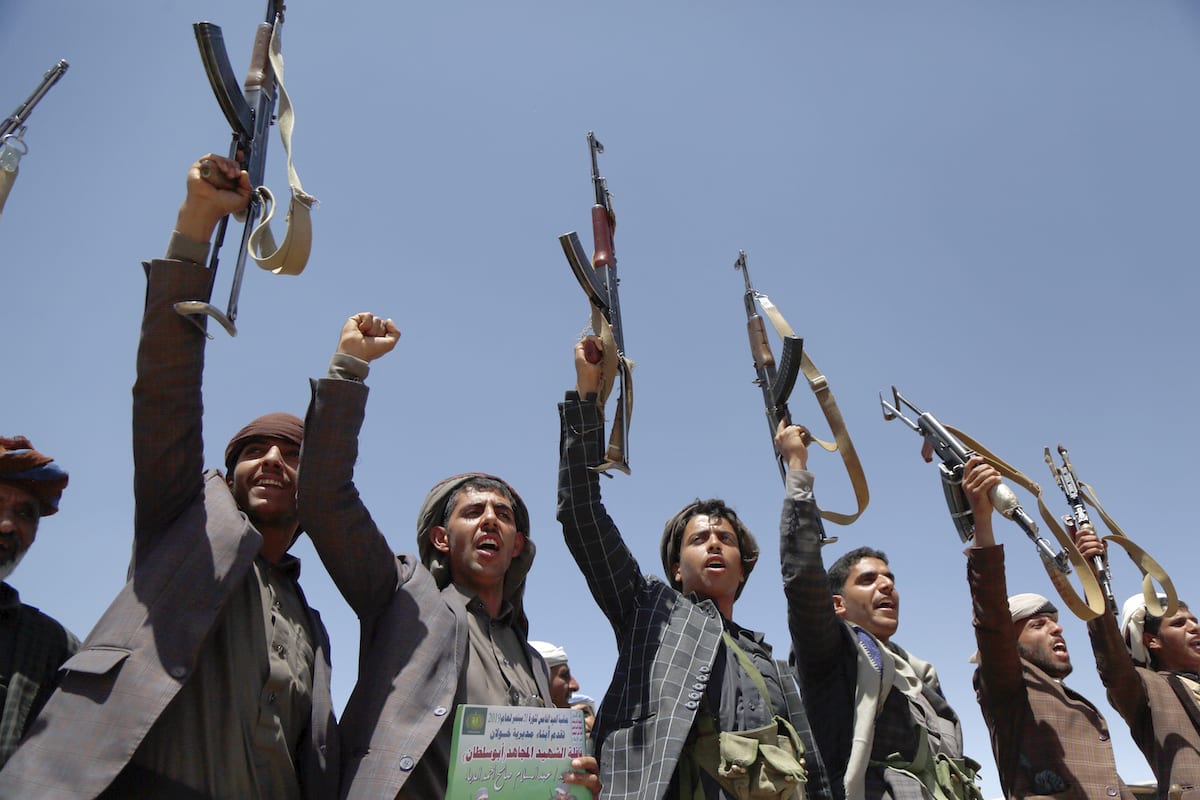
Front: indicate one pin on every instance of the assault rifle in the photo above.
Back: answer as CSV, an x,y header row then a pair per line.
x,y
1064,476
598,277
12,129
954,455
250,111
776,382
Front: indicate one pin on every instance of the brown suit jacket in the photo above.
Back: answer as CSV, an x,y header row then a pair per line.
x,y
1157,721
1048,740
413,638
192,546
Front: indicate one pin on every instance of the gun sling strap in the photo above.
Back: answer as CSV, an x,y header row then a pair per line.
x,y
1092,604
291,256
841,437
612,363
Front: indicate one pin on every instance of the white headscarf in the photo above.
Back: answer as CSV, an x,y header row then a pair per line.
x,y
1133,625
553,654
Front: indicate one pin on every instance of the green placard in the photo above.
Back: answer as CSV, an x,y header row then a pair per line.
x,y
515,753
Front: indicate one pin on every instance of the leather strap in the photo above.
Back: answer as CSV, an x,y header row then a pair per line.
x,y
841,437
291,256
1151,570
615,455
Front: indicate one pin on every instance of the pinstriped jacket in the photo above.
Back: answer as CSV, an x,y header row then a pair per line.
x,y
666,642
1049,741
1158,722
192,547
413,638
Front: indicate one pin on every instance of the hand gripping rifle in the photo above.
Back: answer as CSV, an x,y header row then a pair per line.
x,y
250,115
1079,495
600,282
955,448
12,129
777,382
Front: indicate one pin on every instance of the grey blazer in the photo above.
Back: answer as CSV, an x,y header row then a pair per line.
x,y
413,640
666,642
192,547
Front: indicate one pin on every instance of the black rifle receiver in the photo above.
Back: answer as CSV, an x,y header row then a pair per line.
x,y
250,110
1064,476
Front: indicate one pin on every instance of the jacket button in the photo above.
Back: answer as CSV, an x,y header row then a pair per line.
x,y
440,711
692,704
178,672
1112,791
705,669
693,695
699,687
406,763
1104,736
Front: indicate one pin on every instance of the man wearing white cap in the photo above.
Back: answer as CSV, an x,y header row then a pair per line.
x,y
1150,668
562,684
1047,739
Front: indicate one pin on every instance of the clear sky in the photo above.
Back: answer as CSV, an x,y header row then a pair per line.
x,y
991,206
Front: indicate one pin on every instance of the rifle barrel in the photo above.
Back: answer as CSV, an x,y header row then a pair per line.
x,y
16,120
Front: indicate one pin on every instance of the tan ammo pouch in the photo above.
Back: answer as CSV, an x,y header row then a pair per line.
x,y
766,762
945,778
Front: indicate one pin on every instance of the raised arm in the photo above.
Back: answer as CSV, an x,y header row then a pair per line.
x,y
1126,692
351,546
168,447
999,661
611,571
818,636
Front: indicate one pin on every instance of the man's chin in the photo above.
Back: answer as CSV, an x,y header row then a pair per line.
x,y
9,566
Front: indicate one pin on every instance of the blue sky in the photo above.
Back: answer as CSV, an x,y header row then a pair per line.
x,y
989,205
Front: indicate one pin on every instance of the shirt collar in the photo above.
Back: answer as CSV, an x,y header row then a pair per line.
x,y
472,603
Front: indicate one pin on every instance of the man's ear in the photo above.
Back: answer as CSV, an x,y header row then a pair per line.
x,y
839,605
1151,642
439,539
677,578
518,544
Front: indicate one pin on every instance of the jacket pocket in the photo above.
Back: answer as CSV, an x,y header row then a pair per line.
x,y
95,660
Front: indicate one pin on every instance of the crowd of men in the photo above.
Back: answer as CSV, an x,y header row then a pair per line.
x,y
209,674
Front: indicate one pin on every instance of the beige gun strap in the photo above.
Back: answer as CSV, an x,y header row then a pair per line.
x,y
841,437
290,257
1151,570
7,179
611,364
1092,604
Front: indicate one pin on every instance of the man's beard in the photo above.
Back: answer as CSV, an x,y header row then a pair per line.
x,y
1045,663
7,567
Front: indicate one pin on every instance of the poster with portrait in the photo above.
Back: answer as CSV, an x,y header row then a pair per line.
x,y
515,753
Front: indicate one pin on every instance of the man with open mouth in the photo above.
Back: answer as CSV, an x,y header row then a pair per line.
x,y
1047,738
690,683
885,728
1151,668
438,630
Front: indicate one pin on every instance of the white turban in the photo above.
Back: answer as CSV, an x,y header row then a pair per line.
x,y
553,654
1133,625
